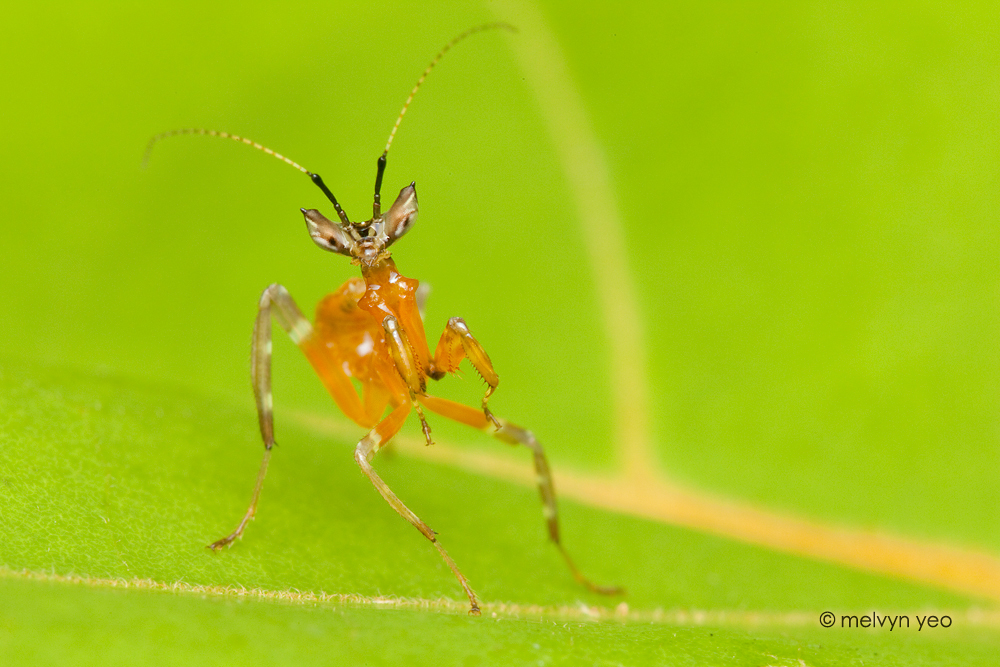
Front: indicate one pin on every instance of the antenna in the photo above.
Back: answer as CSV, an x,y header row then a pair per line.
x,y
444,50
377,206
379,171
253,144
216,133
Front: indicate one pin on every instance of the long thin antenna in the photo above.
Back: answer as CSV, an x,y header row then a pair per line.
x,y
447,47
216,133
253,144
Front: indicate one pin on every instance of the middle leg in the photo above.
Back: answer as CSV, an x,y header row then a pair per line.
x,y
513,434
363,454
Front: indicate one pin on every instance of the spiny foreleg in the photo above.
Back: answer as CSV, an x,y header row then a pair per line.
x,y
458,343
407,367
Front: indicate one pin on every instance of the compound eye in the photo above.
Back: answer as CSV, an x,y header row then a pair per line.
x,y
402,215
327,234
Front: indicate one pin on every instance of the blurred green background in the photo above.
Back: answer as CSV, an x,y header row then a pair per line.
x,y
809,190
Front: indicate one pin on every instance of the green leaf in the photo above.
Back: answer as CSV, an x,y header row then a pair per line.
x,y
124,485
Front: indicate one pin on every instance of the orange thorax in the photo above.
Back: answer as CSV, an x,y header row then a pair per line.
x,y
388,292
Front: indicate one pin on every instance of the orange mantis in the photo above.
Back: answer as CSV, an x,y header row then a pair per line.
x,y
371,331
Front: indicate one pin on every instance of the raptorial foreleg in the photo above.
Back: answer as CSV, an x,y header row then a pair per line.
x,y
458,343
407,366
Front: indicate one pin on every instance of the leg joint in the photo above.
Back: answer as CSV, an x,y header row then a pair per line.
x,y
361,454
272,293
519,436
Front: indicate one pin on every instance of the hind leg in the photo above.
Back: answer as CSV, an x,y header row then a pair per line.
x,y
277,301
515,435
365,452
